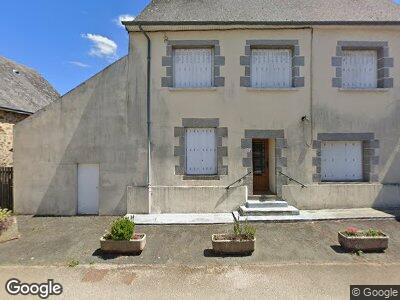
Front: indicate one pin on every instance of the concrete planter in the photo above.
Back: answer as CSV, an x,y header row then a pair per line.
x,y
134,245
225,243
11,231
363,243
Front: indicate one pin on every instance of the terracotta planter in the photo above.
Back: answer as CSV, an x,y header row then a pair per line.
x,y
11,233
356,243
223,243
135,245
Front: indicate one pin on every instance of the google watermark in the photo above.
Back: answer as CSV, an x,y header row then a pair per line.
x,y
43,290
374,292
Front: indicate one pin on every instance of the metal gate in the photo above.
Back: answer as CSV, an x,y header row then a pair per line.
x,y
6,187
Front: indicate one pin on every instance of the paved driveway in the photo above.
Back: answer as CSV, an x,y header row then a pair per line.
x,y
59,240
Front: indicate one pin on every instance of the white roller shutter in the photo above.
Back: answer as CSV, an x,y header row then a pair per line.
x,y
359,69
271,68
201,151
341,161
193,68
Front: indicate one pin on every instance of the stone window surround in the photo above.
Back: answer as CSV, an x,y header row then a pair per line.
x,y
180,150
280,159
370,153
297,60
384,61
167,61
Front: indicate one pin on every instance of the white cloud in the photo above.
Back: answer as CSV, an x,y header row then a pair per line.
x,y
121,18
79,64
102,46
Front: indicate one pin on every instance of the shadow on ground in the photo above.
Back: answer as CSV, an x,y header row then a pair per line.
x,y
339,249
106,256
393,212
212,253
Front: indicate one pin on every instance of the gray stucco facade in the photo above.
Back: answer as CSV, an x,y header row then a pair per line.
x,y
103,121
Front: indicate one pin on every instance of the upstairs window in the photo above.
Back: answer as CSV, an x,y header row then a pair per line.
x,y
192,67
359,69
271,68
201,151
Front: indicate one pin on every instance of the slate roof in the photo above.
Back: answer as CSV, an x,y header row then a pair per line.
x,y
269,11
22,88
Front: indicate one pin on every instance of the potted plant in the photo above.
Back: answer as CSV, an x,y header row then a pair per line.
x,y
242,241
354,239
122,238
8,226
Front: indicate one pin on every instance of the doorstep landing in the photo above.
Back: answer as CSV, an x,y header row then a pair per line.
x,y
226,218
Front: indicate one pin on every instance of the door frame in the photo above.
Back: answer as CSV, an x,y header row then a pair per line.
x,y
262,179
280,159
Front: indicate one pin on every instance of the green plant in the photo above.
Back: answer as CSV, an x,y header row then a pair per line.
x,y
122,229
237,229
5,220
247,231
4,214
73,263
372,232
354,232
359,253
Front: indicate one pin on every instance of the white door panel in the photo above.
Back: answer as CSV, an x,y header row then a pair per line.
x,y
88,189
341,161
201,151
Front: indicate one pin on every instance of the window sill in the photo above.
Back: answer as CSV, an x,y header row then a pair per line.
x,y
201,177
273,89
192,89
364,90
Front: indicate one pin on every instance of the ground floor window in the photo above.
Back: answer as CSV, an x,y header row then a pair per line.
x,y
342,161
201,151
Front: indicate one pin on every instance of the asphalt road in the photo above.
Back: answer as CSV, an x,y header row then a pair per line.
x,y
293,281
60,240
291,261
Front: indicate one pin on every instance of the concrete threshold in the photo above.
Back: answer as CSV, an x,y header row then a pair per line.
x,y
227,218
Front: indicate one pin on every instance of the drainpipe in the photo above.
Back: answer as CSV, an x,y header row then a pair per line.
x,y
311,87
148,108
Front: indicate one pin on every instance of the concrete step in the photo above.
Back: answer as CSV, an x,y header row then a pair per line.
x,y
268,211
262,197
269,203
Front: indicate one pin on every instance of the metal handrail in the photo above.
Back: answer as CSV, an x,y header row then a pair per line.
x,y
240,179
292,179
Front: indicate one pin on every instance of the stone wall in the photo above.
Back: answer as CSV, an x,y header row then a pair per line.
x,y
7,121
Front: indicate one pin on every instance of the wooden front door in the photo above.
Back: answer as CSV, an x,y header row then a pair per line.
x,y
260,166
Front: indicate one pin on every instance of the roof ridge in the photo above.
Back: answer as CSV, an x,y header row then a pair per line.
x,y
269,11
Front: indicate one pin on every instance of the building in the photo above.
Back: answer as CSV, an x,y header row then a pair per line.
x,y
22,92
219,102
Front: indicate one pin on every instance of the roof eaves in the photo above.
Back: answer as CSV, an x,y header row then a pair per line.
x,y
296,23
19,111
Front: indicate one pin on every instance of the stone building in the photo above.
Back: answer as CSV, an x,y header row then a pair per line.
x,y
299,99
22,92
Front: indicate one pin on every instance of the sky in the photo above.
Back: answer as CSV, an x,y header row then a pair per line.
x,y
67,41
